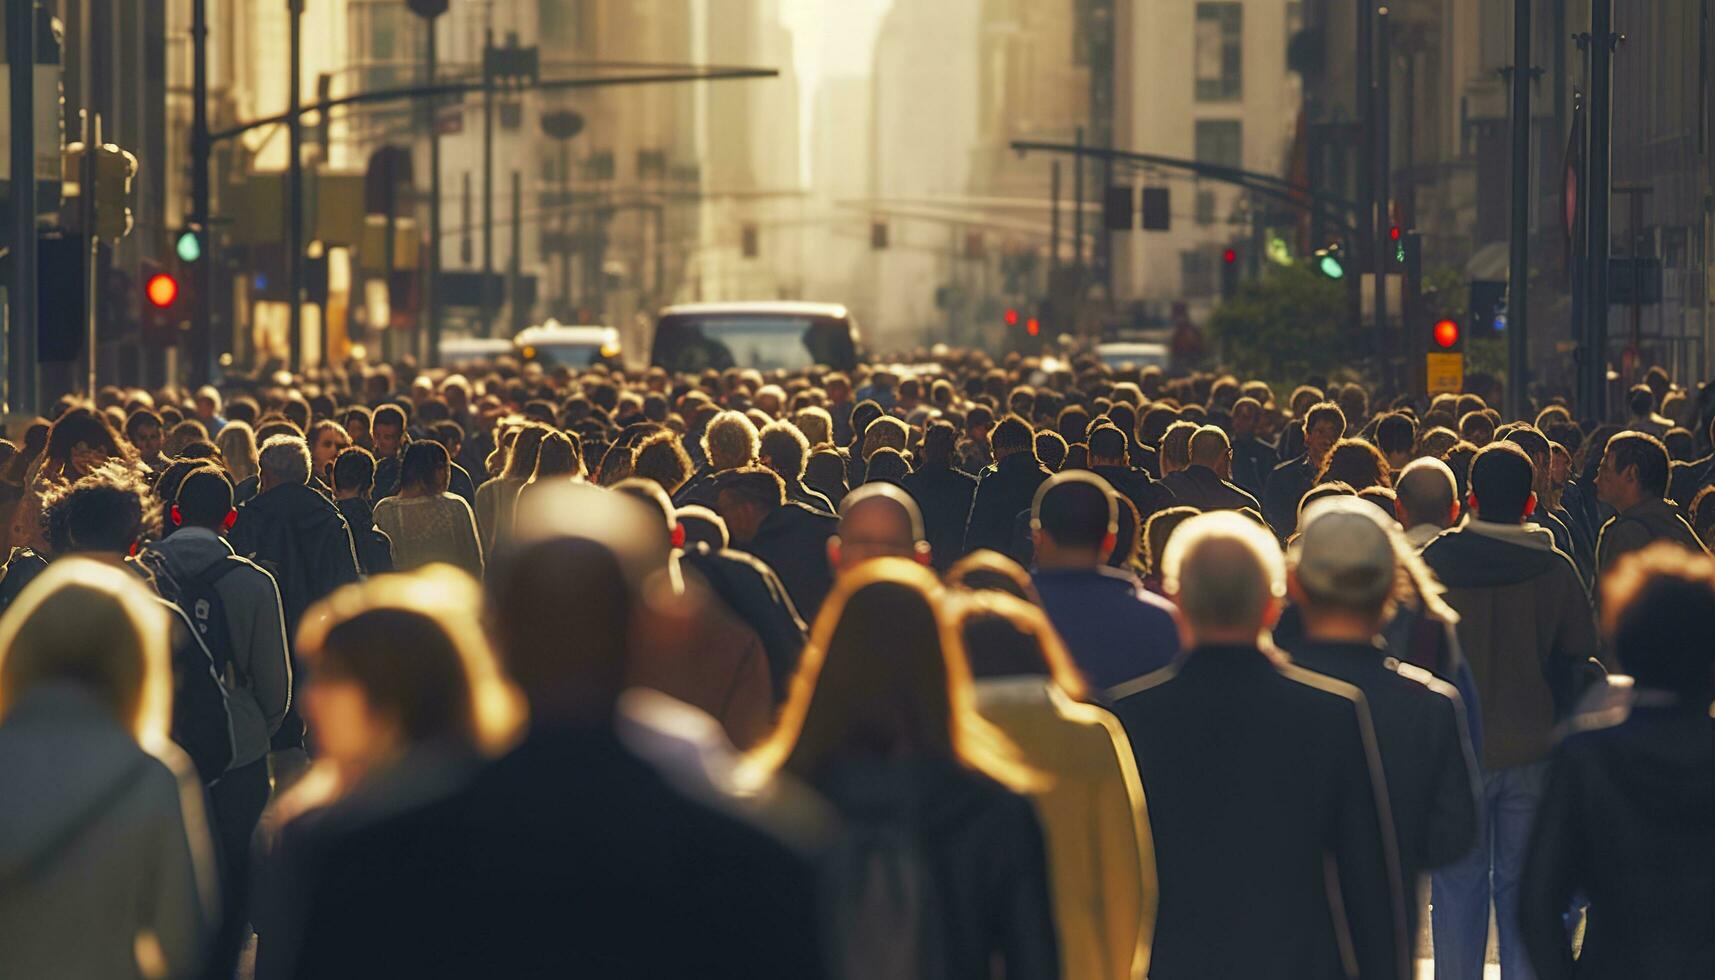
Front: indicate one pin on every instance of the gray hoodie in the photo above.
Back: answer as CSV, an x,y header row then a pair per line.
x,y
100,842
260,690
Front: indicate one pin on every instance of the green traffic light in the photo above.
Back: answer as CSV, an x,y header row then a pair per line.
x,y
1331,267
189,246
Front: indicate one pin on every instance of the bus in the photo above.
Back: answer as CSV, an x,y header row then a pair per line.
x,y
768,336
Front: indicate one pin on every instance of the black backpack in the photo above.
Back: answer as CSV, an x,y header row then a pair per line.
x,y
886,920
197,596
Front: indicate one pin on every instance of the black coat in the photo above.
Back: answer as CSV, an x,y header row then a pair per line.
x,y
568,857
1202,488
1627,820
374,548
944,496
1253,460
754,594
793,541
1006,489
698,489
1426,753
386,478
986,858
1286,486
1148,495
1256,776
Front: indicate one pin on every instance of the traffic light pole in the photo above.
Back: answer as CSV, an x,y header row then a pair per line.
x,y
1382,253
1594,362
1518,286
487,186
21,374
433,286
91,235
295,169
202,320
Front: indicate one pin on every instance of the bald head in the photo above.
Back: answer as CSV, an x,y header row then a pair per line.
x,y
877,520
1426,493
1226,574
1210,447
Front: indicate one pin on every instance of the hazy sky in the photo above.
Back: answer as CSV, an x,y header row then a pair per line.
x,y
830,37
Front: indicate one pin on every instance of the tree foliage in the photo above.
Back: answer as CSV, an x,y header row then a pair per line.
x,y
1286,326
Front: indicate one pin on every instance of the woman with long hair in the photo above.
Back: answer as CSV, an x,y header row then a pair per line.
x,y
882,720
237,445
1101,854
557,460
79,441
496,498
426,523
404,697
105,863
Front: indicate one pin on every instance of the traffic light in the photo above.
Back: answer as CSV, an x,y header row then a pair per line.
x,y
1331,262
114,170
1446,336
188,246
1229,272
1157,211
1010,317
1033,326
161,306
1119,209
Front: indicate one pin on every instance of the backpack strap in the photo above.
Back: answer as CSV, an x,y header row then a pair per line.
x,y
205,580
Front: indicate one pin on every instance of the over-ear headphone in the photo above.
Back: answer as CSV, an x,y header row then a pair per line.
x,y
230,519
174,516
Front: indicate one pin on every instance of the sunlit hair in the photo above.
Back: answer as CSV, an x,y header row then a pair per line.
x,y
237,444
986,618
557,456
99,627
885,675
988,570
521,461
1356,463
415,644
1223,568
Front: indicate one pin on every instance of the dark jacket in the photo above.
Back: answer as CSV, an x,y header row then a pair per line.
x,y
1135,484
1253,461
300,538
1525,627
698,489
1203,488
755,594
605,870
1114,630
986,857
1640,526
1005,489
1246,819
1627,821
1286,486
459,482
374,549
944,496
1688,478
386,478
797,491
793,540
1432,784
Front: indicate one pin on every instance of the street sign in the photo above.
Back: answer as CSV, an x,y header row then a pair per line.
x,y
1445,373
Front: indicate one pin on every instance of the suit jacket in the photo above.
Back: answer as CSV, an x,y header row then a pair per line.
x,y
1264,783
1426,753
1007,488
944,495
567,857
1148,495
1628,820
1286,486
793,540
1253,460
1202,488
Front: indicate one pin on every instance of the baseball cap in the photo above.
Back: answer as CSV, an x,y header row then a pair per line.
x,y
1345,548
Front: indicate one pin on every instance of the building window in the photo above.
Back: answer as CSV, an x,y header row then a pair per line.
x,y
1196,273
1205,207
1221,142
1218,58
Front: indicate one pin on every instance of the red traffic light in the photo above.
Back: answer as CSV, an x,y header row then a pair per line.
x,y
1011,317
1230,256
1446,334
162,290
1032,326
1393,232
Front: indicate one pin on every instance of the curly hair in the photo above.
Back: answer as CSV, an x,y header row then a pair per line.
x,y
106,511
1357,463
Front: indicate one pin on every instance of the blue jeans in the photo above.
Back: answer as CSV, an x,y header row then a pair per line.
x,y
1463,889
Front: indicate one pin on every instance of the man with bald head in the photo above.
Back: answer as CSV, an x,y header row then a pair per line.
x,y
877,520
1275,854
1426,500
1206,483
569,854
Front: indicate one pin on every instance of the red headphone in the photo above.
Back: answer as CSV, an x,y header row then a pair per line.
x,y
226,522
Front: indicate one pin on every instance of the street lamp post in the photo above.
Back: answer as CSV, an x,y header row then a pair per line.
x,y
429,11
562,126
295,171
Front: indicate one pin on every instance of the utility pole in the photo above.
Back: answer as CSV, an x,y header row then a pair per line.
x,y
1078,195
1382,106
515,262
487,182
295,175
1518,285
202,321
91,235
1362,70
21,290
1054,221
429,11
1601,42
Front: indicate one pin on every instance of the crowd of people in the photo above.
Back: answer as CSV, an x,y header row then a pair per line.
x,y
958,670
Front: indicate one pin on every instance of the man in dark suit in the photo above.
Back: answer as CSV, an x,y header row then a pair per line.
x,y
1006,488
568,856
943,493
1205,484
1344,568
1273,838
1287,483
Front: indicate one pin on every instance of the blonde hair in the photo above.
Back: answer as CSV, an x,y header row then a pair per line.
x,y
237,445
98,626
884,688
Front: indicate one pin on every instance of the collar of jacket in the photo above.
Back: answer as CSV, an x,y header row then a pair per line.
x,y
1019,461
1649,507
1225,658
1525,536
